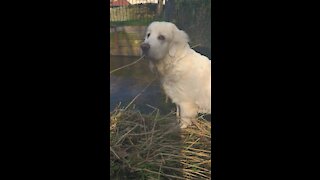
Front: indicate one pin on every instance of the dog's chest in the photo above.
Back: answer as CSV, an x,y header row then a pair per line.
x,y
170,75
173,87
173,79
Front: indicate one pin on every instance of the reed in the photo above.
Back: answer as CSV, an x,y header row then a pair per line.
x,y
152,146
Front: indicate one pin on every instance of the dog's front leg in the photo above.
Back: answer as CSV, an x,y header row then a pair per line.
x,y
178,111
187,113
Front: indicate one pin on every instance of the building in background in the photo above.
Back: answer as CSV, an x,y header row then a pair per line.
x,y
144,1
118,3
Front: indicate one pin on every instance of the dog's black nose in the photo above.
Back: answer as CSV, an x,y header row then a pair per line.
x,y
145,47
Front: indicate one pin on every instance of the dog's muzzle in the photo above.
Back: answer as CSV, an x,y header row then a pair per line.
x,y
145,48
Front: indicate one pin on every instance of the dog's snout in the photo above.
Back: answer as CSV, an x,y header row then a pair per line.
x,y
145,47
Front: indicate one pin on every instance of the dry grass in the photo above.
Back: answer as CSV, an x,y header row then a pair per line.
x,y
153,147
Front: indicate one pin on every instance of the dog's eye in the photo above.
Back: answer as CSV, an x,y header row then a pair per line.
x,y
161,37
148,35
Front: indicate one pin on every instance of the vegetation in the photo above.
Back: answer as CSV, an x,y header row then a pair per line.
x,y
153,147
133,22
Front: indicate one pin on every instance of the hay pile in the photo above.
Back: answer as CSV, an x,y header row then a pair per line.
x,y
153,147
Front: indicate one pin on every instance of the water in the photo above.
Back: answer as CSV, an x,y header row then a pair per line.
x,y
127,83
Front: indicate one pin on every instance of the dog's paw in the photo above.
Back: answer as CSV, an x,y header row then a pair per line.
x,y
185,124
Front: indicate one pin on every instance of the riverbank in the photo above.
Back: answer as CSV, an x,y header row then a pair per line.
x,y
126,40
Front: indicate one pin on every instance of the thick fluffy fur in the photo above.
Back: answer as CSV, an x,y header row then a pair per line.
x,y
184,74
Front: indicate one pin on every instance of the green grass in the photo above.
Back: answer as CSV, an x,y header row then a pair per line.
x,y
134,22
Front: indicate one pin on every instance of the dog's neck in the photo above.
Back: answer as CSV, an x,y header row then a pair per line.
x,y
181,52
164,66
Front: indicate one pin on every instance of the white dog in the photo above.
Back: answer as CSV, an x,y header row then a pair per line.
x,y
185,75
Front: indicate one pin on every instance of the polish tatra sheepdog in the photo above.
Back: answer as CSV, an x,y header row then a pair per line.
x,y
185,75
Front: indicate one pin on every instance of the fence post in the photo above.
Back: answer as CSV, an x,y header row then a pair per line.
x,y
115,33
159,8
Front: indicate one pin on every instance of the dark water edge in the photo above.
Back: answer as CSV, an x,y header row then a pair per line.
x,y
127,83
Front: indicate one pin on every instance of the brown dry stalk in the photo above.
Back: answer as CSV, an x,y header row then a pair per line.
x,y
125,134
127,65
114,152
159,173
191,165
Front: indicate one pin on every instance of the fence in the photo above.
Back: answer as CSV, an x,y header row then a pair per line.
x,y
134,12
192,16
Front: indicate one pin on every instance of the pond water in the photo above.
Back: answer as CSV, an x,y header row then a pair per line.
x,y
127,83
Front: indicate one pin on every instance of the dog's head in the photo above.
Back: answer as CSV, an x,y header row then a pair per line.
x,y
163,39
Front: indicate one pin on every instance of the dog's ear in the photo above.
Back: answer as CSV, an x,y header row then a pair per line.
x,y
179,40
